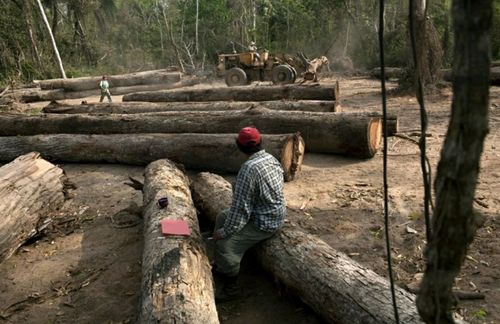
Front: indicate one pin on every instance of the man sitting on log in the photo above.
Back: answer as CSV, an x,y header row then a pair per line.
x,y
257,212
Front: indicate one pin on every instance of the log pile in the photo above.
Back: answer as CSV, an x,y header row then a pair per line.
x,y
59,89
177,282
30,189
61,94
335,133
207,152
333,285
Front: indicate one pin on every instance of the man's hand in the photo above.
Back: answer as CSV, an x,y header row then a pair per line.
x,y
217,235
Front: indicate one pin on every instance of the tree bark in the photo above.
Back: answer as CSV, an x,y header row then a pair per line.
x,y
206,152
59,94
334,286
243,93
121,80
153,107
53,41
177,282
355,136
428,47
30,189
453,227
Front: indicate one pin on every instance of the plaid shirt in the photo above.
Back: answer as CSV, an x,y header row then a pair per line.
x,y
257,195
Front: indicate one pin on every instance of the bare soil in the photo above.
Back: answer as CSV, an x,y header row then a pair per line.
x,y
87,266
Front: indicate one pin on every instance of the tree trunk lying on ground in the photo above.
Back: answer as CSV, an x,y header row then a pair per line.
x,y
121,80
150,107
177,284
390,73
392,120
332,284
243,93
396,73
494,75
60,94
30,189
335,133
206,152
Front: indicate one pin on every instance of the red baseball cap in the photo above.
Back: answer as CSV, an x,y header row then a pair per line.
x,y
249,137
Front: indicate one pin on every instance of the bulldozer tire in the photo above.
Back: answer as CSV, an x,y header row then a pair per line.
x,y
236,77
283,74
294,74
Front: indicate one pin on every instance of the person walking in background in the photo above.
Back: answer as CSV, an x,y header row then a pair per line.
x,y
257,212
104,86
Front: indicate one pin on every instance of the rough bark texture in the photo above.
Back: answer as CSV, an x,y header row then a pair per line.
x,y
243,93
177,282
151,107
206,152
122,80
392,120
355,136
453,221
60,94
30,189
332,284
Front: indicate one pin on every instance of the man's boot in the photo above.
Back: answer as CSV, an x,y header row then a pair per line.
x,y
230,290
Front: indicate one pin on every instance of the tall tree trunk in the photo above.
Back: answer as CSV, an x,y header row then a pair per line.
x,y
428,46
28,17
54,45
453,224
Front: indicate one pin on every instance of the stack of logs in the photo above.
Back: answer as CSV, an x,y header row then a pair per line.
x,y
196,127
59,89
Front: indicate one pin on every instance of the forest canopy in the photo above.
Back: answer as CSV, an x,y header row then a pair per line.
x,y
118,36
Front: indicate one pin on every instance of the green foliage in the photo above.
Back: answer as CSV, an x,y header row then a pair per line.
x,y
118,36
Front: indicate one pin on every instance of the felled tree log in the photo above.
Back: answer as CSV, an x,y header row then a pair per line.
x,y
392,120
121,80
243,93
355,136
333,285
177,282
152,107
494,75
390,73
207,152
60,94
30,189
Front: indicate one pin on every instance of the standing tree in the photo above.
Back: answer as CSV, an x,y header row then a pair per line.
x,y
453,224
54,45
428,46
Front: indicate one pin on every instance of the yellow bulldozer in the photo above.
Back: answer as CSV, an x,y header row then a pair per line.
x,y
243,68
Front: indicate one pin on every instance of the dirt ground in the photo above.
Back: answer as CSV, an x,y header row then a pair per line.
x,y
87,266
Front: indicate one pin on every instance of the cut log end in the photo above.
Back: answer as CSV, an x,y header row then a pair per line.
x,y
374,136
292,156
